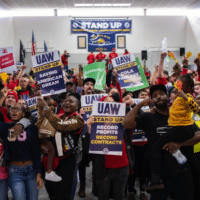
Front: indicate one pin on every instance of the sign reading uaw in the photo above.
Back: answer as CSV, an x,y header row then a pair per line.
x,y
101,33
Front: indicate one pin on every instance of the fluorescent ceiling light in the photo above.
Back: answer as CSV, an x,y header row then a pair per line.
x,y
83,4
103,4
122,4
27,13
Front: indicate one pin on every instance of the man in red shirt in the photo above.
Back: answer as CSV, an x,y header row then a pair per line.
x,y
111,56
126,52
100,56
10,99
64,59
91,58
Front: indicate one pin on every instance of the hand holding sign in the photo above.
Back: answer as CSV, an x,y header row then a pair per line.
x,y
163,55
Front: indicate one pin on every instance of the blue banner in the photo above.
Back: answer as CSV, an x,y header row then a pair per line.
x,y
101,26
107,132
48,73
101,41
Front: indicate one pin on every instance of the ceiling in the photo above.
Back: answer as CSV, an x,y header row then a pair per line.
x,y
36,4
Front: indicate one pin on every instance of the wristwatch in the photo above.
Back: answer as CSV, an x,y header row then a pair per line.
x,y
46,108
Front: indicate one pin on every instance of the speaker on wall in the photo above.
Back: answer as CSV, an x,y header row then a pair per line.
x,y
182,51
144,55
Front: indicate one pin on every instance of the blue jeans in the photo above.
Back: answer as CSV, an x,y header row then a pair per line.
x,y
22,182
3,189
74,183
66,68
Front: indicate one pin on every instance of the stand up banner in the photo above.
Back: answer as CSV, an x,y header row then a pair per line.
x,y
32,105
87,102
48,73
7,62
107,132
96,71
130,73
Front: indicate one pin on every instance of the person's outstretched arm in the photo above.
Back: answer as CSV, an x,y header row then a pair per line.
x,y
129,120
161,65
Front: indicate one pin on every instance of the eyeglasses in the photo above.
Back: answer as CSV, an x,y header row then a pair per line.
x,y
17,109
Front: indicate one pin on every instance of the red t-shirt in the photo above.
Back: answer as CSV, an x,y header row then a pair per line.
x,y
112,161
13,84
64,59
100,56
112,55
126,53
91,58
5,115
161,81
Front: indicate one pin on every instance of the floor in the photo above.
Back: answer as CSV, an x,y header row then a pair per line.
x,y
44,196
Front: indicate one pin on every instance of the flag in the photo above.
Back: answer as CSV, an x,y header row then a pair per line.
x,y
21,53
33,44
45,47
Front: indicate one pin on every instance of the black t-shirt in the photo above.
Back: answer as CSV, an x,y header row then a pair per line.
x,y
154,126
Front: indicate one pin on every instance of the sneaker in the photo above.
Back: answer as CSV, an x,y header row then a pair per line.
x,y
131,196
151,185
81,192
143,196
52,176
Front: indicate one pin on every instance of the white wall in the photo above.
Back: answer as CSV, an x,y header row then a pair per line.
x,y
147,32
193,36
6,32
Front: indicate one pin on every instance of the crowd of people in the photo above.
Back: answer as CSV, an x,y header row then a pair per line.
x,y
160,144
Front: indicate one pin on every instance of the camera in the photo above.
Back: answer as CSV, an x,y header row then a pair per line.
x,y
67,55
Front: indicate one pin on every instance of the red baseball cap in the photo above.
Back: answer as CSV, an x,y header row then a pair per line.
x,y
14,94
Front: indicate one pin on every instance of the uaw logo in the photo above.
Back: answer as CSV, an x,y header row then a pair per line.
x,y
75,25
4,51
127,25
52,91
105,150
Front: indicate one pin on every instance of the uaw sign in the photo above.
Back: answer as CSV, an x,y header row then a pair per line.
x,y
101,33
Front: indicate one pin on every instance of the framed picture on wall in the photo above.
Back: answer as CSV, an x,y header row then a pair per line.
x,y
81,42
121,41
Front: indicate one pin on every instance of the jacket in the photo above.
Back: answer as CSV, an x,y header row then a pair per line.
x,y
68,132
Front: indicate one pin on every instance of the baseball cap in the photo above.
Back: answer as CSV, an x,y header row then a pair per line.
x,y
89,80
157,87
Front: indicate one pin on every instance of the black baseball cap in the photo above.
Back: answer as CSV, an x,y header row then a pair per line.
x,y
157,87
69,83
89,80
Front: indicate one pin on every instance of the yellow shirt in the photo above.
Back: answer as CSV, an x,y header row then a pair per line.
x,y
180,111
196,118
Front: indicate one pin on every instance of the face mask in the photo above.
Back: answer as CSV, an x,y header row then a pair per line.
x,y
116,97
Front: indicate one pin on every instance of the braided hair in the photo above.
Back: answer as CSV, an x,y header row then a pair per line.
x,y
189,82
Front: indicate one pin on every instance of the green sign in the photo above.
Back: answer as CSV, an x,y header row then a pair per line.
x,y
96,71
144,80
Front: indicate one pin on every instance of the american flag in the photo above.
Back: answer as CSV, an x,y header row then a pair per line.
x,y
33,44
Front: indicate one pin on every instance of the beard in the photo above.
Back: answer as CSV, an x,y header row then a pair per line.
x,y
161,105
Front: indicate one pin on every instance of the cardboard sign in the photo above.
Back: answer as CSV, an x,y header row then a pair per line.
x,y
7,62
48,73
107,131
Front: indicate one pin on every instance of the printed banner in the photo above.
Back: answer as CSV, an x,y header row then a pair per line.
x,y
96,71
139,135
32,105
107,131
87,105
48,73
101,26
130,73
101,41
7,62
